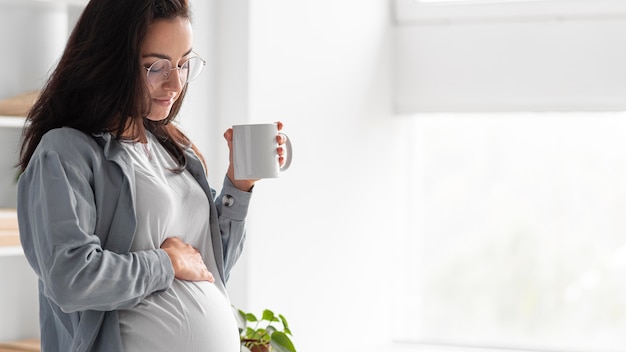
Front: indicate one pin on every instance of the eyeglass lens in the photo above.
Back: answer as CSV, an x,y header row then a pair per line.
x,y
160,71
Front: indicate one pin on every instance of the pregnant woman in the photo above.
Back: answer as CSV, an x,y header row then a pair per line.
x,y
131,245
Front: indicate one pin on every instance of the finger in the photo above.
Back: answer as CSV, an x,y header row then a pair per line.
x,y
280,151
205,274
281,139
171,242
281,161
280,125
228,135
203,271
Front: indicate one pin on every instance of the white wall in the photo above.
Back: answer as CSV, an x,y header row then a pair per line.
x,y
198,115
322,238
43,26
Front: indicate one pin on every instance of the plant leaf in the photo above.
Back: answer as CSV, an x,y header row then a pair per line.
x,y
251,318
284,321
260,332
268,315
250,332
281,342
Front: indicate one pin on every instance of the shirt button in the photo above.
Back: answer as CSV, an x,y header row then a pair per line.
x,y
228,200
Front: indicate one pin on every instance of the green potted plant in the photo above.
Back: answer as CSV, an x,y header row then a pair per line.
x,y
268,333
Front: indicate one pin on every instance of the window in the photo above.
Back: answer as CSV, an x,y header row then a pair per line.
x,y
518,232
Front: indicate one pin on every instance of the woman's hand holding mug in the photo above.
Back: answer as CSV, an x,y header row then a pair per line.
x,y
257,151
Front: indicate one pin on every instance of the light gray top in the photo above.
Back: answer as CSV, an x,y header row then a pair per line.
x,y
188,316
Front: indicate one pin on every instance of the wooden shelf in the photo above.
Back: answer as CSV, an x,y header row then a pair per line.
x,y
9,234
22,345
9,239
18,105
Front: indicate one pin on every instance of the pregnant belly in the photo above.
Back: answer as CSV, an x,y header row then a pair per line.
x,y
189,316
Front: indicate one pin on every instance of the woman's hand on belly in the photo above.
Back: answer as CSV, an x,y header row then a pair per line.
x,y
186,260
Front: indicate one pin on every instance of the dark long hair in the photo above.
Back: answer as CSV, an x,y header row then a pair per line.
x,y
98,84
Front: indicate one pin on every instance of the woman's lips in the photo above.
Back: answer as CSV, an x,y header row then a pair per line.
x,y
164,101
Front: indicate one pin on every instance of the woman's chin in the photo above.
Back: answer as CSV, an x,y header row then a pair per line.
x,y
158,116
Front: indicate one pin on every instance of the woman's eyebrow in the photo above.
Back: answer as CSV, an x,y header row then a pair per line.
x,y
159,56
163,56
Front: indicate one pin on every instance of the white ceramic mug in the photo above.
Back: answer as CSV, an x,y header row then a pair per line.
x,y
254,151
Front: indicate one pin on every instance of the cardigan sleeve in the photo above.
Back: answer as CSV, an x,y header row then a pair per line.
x,y
57,219
232,207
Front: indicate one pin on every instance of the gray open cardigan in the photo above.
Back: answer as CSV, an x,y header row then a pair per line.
x,y
76,213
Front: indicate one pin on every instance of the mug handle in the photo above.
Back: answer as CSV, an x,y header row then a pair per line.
x,y
289,152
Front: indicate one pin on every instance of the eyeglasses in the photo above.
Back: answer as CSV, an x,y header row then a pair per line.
x,y
160,70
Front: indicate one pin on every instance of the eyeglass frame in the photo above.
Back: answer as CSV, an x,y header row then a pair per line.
x,y
175,68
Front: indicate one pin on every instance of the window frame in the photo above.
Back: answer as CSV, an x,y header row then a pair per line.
x,y
412,11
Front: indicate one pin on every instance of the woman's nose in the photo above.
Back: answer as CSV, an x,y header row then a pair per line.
x,y
173,80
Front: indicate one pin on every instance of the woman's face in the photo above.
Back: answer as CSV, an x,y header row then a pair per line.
x,y
169,39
